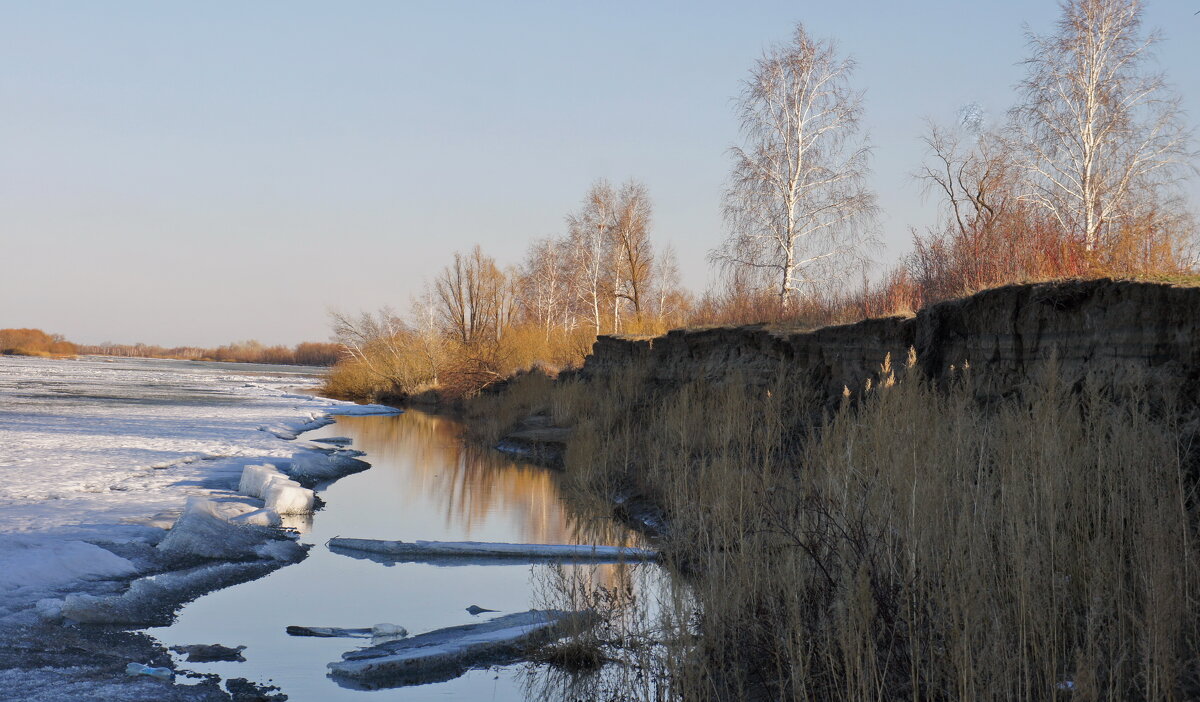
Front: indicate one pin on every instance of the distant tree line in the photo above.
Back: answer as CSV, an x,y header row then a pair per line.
x,y
35,342
304,354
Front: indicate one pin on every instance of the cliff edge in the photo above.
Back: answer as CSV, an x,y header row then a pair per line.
x,y
1126,333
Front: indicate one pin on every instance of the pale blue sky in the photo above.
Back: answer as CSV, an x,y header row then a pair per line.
x,y
196,173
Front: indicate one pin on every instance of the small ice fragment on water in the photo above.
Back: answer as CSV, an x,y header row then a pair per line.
x,y
207,653
140,669
386,629
335,440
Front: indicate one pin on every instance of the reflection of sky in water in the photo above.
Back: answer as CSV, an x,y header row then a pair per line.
x,y
423,484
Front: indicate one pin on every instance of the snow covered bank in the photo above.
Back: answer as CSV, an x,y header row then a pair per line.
x,y
445,654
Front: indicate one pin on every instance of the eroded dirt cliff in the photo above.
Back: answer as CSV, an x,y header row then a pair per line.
x,y
1124,333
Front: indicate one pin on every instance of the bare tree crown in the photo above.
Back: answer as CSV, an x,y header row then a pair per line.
x,y
1101,137
797,207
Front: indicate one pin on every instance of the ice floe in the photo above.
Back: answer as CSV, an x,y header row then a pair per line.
x,y
473,552
445,654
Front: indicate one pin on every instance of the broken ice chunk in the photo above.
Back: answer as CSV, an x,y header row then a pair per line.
x,y
255,479
289,499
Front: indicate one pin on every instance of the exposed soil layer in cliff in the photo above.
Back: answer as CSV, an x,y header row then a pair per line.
x,y
1124,333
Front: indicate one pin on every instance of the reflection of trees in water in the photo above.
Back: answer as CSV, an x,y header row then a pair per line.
x,y
476,484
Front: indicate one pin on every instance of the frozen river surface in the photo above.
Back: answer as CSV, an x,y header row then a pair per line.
x,y
107,440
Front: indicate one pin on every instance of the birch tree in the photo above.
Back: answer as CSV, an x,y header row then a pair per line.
x,y
545,289
1101,135
797,208
590,236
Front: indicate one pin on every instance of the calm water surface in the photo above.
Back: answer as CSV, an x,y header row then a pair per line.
x,y
423,484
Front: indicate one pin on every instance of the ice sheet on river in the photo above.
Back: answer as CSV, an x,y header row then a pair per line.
x,y
89,449
475,552
445,654
101,441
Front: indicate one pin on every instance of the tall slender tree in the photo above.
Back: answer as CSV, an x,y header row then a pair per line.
x,y
797,207
631,236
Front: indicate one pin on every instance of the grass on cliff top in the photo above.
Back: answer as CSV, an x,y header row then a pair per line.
x,y
1182,280
1185,280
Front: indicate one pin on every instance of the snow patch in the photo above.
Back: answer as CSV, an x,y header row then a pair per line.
x,y
40,563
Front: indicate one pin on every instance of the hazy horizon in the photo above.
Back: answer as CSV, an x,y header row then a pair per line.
x,y
206,173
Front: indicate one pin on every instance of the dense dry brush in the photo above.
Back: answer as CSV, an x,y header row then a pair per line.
x,y
909,543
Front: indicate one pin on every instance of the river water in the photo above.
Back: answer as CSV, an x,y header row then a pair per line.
x,y
424,483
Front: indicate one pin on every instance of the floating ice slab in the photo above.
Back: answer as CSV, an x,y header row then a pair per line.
x,y
335,440
312,468
384,630
329,632
476,550
445,654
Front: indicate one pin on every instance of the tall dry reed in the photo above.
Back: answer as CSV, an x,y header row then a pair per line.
x,y
911,544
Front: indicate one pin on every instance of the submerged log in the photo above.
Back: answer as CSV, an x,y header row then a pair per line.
x,y
476,551
445,654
